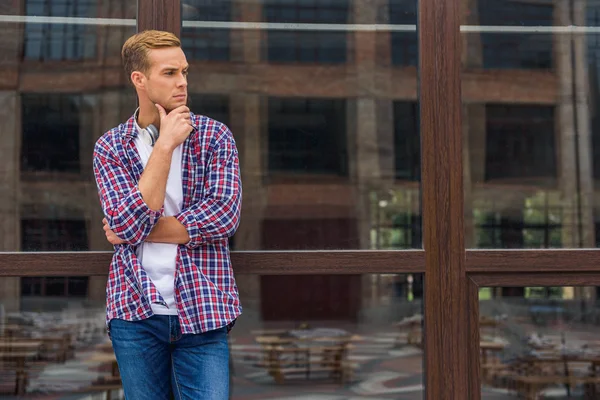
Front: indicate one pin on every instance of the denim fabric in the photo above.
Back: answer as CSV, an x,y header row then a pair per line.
x,y
156,361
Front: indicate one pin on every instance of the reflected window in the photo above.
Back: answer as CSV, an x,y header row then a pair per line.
x,y
520,142
307,136
51,127
54,41
593,59
536,225
404,44
402,231
407,143
395,224
200,41
53,235
306,46
516,50
594,107
56,286
211,105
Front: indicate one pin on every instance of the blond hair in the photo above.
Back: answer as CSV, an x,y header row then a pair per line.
x,y
134,53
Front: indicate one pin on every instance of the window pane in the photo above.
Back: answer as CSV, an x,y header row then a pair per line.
x,y
529,118
323,47
534,340
55,41
325,120
203,42
305,336
61,86
51,142
379,316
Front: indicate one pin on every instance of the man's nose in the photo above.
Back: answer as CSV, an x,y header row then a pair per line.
x,y
182,80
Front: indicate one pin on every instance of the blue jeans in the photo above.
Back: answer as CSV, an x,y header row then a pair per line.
x,y
156,361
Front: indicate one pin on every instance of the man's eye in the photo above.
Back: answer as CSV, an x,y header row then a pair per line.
x,y
169,73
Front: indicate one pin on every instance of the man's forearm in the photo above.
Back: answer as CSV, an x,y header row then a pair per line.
x,y
153,182
168,230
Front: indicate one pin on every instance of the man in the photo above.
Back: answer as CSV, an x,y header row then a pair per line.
x,y
170,189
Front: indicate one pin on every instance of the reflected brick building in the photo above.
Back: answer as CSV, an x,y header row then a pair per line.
x,y
326,124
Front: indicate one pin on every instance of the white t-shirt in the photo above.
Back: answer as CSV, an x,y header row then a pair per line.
x,y
159,259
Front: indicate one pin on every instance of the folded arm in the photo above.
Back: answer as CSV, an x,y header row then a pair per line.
x,y
124,204
216,216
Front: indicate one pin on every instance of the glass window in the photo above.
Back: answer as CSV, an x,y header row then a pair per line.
x,y
55,104
530,127
213,106
525,330
302,46
521,50
407,142
404,44
318,135
54,41
51,130
201,41
520,142
307,136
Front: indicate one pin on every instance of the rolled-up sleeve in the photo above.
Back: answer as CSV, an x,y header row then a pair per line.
x,y
216,216
128,215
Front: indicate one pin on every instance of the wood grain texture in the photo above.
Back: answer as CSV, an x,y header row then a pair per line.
x,y
471,343
246,262
530,261
536,279
163,15
446,319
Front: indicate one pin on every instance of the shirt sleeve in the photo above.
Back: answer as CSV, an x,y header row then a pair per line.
x,y
128,215
216,216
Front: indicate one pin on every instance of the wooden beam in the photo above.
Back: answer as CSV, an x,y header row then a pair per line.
x,y
446,318
162,15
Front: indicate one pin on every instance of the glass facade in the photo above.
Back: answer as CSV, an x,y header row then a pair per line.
x,y
323,99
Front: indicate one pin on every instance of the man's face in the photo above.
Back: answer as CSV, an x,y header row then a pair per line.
x,y
166,82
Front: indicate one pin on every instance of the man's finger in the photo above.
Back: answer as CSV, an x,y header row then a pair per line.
x,y
161,111
181,110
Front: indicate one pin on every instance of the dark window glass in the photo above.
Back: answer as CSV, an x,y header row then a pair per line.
x,y
407,141
516,50
206,43
51,128
50,41
213,106
301,46
404,44
520,142
307,136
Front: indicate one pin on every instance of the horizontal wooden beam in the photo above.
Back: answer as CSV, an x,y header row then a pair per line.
x,y
244,262
536,279
495,264
533,261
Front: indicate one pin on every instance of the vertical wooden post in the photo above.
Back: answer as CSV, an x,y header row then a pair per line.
x,y
446,318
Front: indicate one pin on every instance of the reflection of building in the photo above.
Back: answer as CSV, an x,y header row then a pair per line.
x,y
326,121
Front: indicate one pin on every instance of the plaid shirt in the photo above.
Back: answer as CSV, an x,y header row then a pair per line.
x,y
205,290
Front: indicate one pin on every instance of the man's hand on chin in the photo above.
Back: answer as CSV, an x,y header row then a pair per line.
x,y
110,235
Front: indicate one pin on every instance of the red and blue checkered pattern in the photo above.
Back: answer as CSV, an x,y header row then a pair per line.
x,y
205,290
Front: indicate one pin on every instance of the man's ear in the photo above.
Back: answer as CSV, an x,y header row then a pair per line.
x,y
138,79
